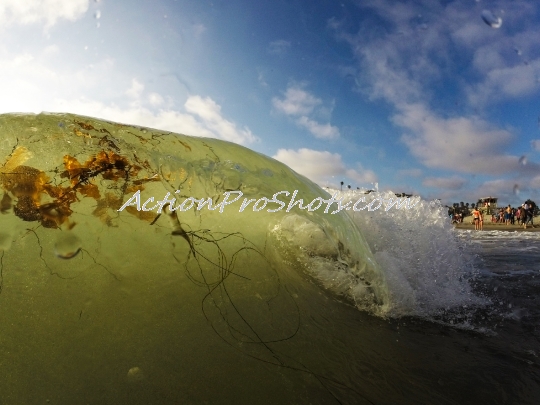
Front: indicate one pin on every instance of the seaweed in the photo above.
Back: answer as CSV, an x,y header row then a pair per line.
x,y
37,199
210,265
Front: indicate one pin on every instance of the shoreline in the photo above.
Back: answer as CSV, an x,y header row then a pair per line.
x,y
490,226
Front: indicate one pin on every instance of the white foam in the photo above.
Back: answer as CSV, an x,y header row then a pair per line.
x,y
426,266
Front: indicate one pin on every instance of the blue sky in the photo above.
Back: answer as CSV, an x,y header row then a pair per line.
x,y
419,96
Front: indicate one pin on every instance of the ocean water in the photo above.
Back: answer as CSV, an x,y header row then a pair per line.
x,y
104,305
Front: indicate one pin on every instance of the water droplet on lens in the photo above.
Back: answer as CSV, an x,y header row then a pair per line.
x,y
518,51
491,20
523,160
67,245
5,241
97,15
516,189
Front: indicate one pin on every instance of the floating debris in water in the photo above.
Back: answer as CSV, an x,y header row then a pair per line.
x,y
523,160
135,374
5,241
67,246
491,20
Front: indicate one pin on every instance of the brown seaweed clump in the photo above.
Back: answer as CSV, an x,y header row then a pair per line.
x,y
39,200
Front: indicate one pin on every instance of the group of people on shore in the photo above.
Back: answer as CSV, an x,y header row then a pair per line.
x,y
456,218
524,215
509,215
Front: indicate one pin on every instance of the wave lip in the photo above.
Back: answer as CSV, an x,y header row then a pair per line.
x,y
426,269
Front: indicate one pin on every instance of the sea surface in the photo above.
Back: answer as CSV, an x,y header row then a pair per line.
x,y
386,305
479,354
465,324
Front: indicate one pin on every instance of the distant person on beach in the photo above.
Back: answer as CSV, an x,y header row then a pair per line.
x,y
476,218
524,214
530,215
481,224
507,214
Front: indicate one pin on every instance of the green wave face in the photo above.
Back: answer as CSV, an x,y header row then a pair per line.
x,y
91,285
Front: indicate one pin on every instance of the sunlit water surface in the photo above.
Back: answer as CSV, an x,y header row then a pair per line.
x,y
98,307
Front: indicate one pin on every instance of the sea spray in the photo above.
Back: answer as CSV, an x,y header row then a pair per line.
x,y
426,268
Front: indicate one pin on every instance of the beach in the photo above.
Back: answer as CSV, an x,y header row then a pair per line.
x,y
492,226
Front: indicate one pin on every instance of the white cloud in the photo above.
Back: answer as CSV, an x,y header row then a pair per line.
x,y
323,167
261,79
167,120
501,188
535,145
487,58
471,34
410,173
386,81
296,102
33,86
422,46
210,114
278,47
195,122
37,11
301,104
321,131
449,183
135,90
535,182
464,144
205,108
361,176
504,82
155,99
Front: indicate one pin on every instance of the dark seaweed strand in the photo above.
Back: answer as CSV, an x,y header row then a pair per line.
x,y
221,285
225,272
322,379
1,271
101,265
234,256
280,362
52,273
